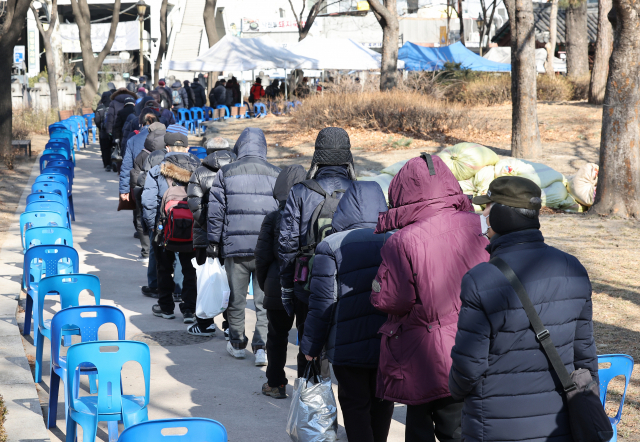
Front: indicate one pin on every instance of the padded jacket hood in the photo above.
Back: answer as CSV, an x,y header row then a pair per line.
x,y
289,176
359,207
251,143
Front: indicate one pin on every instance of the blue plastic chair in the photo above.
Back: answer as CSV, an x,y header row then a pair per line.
x,y
620,365
58,152
110,404
63,163
197,116
198,429
74,126
184,119
259,110
67,171
49,235
29,220
91,124
60,130
55,186
82,127
86,320
50,206
48,158
195,150
68,288
54,177
56,260
46,196
227,114
208,113
56,144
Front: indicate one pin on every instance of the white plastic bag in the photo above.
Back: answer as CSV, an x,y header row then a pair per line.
x,y
541,174
213,289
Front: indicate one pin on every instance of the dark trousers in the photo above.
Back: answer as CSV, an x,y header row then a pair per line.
x,y
440,418
166,286
105,148
280,324
138,223
366,418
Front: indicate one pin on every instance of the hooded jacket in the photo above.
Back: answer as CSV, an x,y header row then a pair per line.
x,y
241,196
154,142
198,192
128,109
176,165
153,159
296,220
418,282
115,106
219,95
509,388
340,312
267,262
177,86
199,93
134,146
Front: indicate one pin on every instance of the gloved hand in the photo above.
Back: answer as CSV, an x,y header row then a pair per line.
x,y
213,250
287,300
201,255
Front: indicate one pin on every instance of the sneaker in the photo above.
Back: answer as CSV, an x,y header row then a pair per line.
x,y
261,357
189,318
196,331
143,259
151,293
177,297
157,311
136,235
226,334
238,353
274,392
108,168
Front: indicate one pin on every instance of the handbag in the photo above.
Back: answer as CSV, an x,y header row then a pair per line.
x,y
129,204
588,420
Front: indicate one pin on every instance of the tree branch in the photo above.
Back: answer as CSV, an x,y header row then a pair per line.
x,y
112,34
209,16
380,11
296,15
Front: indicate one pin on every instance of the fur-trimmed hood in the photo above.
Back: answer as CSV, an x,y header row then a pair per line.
x,y
179,167
123,92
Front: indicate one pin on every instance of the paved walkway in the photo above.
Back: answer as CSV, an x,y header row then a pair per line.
x,y
189,376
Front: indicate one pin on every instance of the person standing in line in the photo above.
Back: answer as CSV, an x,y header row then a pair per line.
x,y
218,94
240,197
438,239
100,118
199,92
268,274
256,92
510,390
218,154
341,317
179,98
175,170
190,94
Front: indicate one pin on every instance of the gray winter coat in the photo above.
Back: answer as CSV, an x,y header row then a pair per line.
x,y
177,86
133,148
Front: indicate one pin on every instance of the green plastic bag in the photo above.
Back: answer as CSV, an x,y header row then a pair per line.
x,y
466,159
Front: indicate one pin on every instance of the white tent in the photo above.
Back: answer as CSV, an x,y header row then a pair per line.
x,y
502,54
337,53
242,54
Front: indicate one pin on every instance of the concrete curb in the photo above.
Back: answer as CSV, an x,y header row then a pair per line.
x,y
24,420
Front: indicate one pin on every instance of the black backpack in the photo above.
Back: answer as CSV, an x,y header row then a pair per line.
x,y
100,112
319,228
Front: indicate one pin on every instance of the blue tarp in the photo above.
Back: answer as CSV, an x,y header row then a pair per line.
x,y
419,58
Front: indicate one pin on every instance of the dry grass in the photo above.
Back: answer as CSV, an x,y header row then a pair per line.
x,y
27,122
3,414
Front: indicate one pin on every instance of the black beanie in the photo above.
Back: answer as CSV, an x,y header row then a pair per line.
x,y
504,219
333,148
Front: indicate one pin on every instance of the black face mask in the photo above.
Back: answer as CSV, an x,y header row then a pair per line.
x,y
504,219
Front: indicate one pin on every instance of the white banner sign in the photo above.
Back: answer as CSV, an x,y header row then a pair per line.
x,y
127,37
275,25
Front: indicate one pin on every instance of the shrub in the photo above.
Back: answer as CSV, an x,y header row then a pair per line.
x,y
3,413
395,111
487,89
29,121
580,87
554,88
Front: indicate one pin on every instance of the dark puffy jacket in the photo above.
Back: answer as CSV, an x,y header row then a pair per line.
x,y
241,196
177,86
200,94
219,95
191,95
130,126
141,104
133,147
120,120
153,143
141,170
267,262
510,390
165,97
176,165
296,220
198,192
340,312
116,105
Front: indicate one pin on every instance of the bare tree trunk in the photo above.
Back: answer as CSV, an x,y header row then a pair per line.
x,y
461,21
48,51
15,15
304,28
525,136
488,20
619,177
553,34
163,42
92,64
56,44
603,53
577,40
387,16
209,17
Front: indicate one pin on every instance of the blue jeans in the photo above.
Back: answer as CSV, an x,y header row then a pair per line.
x,y
152,270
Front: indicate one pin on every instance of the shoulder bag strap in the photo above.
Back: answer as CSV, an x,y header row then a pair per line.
x,y
542,334
314,186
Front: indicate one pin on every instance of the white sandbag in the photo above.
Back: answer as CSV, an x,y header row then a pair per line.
x,y
383,180
395,167
466,159
541,174
583,185
478,185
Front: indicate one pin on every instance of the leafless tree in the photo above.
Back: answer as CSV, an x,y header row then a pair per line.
x,y
91,64
553,36
163,42
387,15
209,16
304,27
619,177
525,134
487,12
48,50
576,39
603,53
459,12
15,14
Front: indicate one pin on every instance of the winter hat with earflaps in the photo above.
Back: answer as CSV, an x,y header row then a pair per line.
x,y
333,148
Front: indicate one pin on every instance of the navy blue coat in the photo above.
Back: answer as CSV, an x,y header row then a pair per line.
x,y
346,262
296,220
133,147
510,390
241,196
